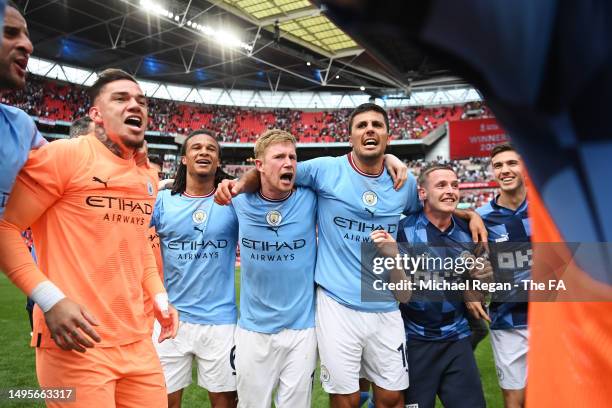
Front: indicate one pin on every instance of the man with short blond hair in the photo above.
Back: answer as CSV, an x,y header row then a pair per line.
x,y
275,338
270,137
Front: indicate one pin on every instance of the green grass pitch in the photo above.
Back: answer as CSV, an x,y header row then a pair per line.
x,y
17,368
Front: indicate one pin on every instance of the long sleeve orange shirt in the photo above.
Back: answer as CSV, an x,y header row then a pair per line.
x,y
89,211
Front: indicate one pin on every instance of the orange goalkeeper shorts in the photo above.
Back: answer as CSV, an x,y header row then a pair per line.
x,y
122,376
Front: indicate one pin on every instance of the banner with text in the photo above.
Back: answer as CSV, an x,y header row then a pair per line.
x,y
474,137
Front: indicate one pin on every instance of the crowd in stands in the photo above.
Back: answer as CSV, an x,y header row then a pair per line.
x,y
50,100
477,198
472,170
53,100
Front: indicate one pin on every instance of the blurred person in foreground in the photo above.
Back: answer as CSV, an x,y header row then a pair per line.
x,y
545,70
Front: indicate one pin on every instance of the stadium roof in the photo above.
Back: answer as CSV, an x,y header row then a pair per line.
x,y
299,21
272,45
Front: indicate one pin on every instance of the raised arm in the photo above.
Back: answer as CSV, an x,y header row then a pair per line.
x,y
248,183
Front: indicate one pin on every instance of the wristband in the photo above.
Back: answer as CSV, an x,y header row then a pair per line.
x,y
46,295
161,300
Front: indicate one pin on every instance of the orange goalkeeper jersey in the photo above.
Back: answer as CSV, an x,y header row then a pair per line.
x,y
90,212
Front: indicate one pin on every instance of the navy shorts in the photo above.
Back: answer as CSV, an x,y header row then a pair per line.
x,y
444,368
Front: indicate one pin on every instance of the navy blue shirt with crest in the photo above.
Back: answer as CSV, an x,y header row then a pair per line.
x,y
511,257
431,319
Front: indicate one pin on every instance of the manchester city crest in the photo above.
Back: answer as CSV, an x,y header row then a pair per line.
x,y
500,373
198,216
149,188
369,198
324,374
274,218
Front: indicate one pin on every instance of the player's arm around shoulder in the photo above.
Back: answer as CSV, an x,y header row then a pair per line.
x,y
37,140
311,173
413,204
397,169
307,204
483,271
230,188
308,193
476,225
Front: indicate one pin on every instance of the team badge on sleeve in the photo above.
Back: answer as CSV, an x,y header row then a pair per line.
x,y
369,198
274,218
198,216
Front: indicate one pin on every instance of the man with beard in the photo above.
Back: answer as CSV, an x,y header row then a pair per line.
x,y
198,241
89,206
19,133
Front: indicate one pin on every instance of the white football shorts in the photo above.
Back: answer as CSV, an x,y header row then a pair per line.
x,y
212,347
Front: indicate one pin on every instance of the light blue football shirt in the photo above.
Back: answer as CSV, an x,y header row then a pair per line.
x,y
277,256
351,204
18,135
198,241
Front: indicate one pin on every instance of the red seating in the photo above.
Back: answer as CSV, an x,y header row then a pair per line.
x,y
61,101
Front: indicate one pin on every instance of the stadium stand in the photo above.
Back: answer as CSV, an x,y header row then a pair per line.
x,y
54,100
